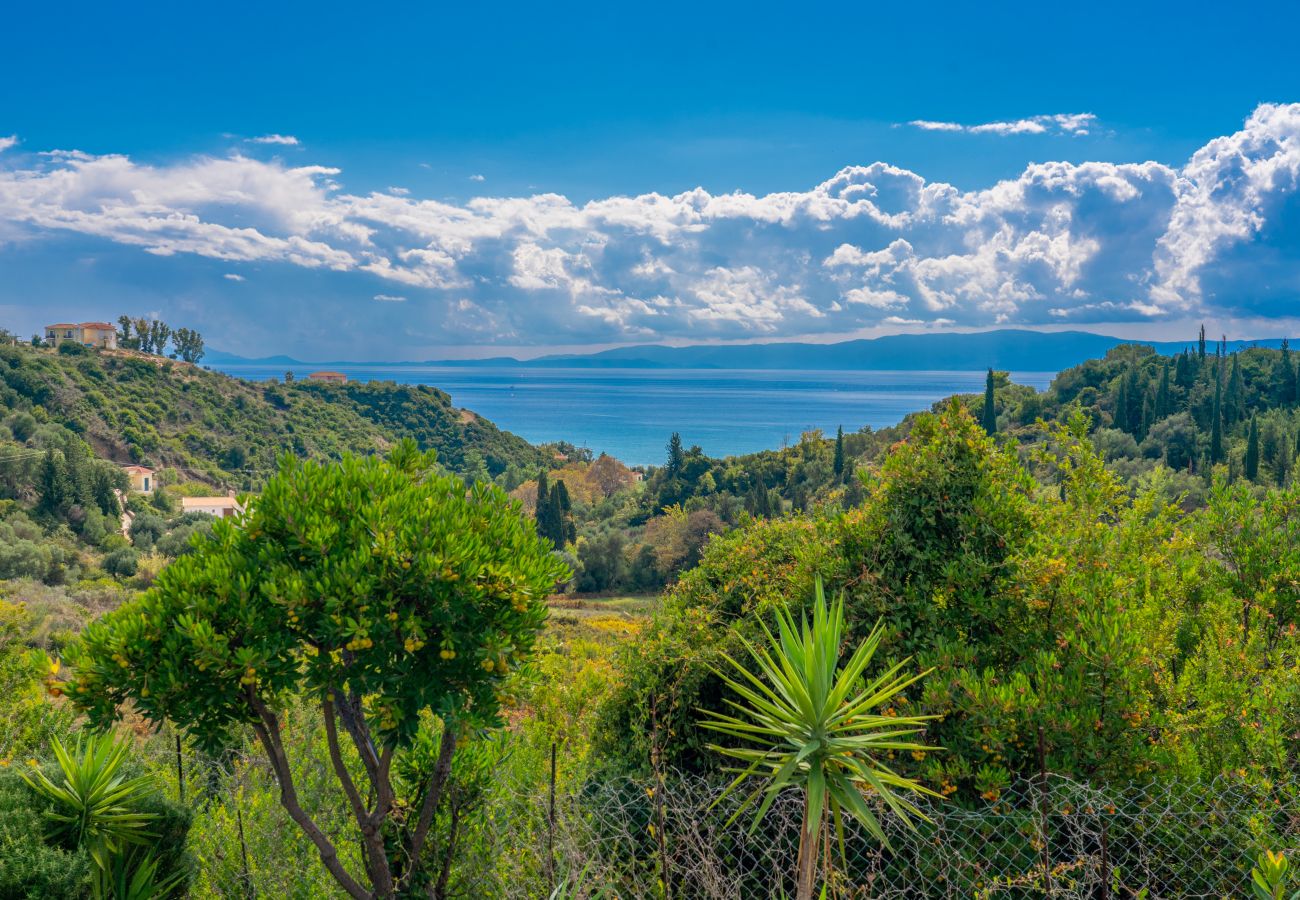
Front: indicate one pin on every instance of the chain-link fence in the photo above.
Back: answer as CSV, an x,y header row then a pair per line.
x,y
1050,837
677,839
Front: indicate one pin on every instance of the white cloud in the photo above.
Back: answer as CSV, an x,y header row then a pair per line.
x,y
1061,123
477,178
389,298
872,246
231,276
286,140
7,142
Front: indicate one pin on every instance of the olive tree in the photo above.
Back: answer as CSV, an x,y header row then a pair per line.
x,y
382,592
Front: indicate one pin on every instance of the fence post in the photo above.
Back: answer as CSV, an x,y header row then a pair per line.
x,y
180,769
655,765
550,824
1043,805
249,887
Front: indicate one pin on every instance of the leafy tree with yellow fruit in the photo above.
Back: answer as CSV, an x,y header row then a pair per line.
x,y
380,592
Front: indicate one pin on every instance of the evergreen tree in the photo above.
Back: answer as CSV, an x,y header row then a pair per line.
x,y
1216,425
543,514
1234,407
1251,463
990,417
1282,465
1183,374
52,484
1200,345
1164,404
1284,377
676,456
1121,405
839,453
565,531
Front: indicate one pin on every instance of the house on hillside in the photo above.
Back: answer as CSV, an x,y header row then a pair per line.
x,y
100,335
142,478
217,507
331,377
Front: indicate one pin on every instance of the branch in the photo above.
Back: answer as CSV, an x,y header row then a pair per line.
x,y
370,822
268,732
432,797
336,757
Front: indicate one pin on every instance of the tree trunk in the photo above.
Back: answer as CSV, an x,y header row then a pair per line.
x,y
808,835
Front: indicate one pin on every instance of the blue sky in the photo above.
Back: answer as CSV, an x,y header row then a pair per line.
x,y
526,177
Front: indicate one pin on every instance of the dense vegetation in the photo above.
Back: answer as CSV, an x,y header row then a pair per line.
x,y
133,407
1103,577
1071,624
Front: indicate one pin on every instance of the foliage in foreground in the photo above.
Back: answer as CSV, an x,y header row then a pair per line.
x,y
382,594
818,728
1077,628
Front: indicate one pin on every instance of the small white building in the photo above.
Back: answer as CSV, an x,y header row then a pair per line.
x,y
142,478
217,507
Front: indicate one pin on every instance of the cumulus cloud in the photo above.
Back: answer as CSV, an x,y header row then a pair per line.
x,y
7,142
286,140
872,246
231,276
477,178
1061,123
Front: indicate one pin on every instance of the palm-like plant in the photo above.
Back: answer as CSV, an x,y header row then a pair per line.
x,y
819,727
94,802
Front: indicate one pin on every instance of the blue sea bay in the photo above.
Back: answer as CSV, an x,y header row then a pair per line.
x,y
630,413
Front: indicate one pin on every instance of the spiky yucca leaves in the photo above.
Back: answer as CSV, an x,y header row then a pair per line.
x,y
94,802
816,725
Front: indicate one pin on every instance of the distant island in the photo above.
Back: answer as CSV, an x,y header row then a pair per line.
x,y
1006,349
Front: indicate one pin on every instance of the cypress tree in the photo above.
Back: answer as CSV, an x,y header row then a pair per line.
x,y
990,417
1183,374
839,452
1234,407
555,520
1284,377
1164,404
1200,345
1121,405
565,530
52,484
1251,464
676,457
1216,427
543,506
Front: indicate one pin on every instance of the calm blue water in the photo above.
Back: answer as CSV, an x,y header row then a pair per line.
x,y
630,413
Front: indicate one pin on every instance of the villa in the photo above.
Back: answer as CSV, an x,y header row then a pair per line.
x,y
217,507
331,377
142,478
100,335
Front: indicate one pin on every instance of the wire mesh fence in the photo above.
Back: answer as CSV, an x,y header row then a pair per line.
x,y
679,839
1050,838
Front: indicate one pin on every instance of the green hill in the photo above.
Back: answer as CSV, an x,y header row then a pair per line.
x,y
133,408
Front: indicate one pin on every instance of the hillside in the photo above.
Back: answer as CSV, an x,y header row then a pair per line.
x,y
226,431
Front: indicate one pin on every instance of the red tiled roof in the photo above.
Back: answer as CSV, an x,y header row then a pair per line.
x,y
141,469
102,326
330,374
62,325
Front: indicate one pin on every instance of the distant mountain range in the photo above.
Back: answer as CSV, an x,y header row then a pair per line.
x,y
1008,349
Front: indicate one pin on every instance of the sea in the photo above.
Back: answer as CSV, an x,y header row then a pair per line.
x,y
631,413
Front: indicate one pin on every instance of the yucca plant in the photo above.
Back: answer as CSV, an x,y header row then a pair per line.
x,y
134,876
95,804
817,725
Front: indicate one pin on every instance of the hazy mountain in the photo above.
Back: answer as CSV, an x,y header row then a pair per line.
x,y
1010,349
